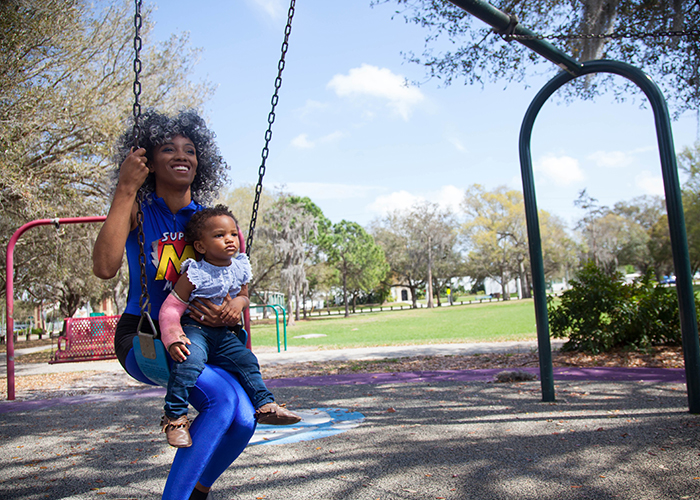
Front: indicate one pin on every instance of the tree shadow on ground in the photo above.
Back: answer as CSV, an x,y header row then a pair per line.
x,y
451,440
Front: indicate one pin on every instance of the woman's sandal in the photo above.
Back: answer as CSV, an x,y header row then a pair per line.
x,y
177,431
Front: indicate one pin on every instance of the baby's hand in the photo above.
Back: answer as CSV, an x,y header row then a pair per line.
x,y
179,351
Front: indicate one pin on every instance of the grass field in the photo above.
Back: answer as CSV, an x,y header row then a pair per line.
x,y
496,321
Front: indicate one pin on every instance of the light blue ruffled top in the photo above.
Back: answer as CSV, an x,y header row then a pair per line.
x,y
214,282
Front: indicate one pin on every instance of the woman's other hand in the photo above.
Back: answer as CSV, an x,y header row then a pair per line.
x,y
206,312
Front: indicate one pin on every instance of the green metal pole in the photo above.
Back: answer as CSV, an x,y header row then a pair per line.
x,y
284,324
505,24
544,345
674,209
277,324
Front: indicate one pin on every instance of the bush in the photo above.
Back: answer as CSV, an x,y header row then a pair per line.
x,y
600,312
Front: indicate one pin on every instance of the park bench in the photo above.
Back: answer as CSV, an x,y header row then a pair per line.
x,y
86,339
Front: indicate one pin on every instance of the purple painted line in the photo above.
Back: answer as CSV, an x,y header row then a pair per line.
x,y
654,375
107,397
602,373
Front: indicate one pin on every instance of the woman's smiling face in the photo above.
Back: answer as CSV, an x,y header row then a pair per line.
x,y
175,162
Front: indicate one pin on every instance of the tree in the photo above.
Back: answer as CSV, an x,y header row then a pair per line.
x,y
322,278
641,214
406,260
319,277
559,251
66,92
496,234
621,236
290,225
359,260
421,247
659,247
689,162
265,262
474,53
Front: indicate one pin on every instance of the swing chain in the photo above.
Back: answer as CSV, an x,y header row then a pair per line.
x,y
270,121
138,22
144,301
601,36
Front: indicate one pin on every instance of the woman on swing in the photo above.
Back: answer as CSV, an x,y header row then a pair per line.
x,y
177,168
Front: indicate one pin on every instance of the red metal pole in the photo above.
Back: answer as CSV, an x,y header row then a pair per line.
x,y
9,288
246,311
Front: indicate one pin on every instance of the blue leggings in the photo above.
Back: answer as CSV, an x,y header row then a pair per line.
x,y
220,433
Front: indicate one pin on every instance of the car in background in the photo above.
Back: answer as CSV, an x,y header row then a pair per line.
x,y
668,280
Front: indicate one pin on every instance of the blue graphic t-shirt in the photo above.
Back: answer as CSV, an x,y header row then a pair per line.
x,y
165,250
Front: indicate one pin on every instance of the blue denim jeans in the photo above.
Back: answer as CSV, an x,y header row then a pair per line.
x,y
217,346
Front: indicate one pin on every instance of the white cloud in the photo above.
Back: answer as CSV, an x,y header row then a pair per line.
x,y
302,141
273,8
398,200
562,170
323,191
650,183
377,82
611,159
310,107
457,144
447,197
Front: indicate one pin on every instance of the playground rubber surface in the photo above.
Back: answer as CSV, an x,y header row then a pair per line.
x,y
612,433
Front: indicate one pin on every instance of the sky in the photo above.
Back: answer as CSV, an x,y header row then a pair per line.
x,y
350,135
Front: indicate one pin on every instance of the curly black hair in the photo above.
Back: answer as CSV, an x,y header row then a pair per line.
x,y
196,224
157,128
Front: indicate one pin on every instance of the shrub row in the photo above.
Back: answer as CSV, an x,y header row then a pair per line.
x,y
601,312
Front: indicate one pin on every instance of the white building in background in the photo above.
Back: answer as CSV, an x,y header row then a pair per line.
x,y
401,293
258,311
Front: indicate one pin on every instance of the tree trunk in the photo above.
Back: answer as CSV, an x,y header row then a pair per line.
x,y
429,291
290,316
504,287
524,285
345,293
296,305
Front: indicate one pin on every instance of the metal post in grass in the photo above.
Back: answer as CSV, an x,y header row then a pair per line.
x,y
508,25
277,322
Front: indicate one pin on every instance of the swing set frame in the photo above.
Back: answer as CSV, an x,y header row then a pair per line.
x,y
9,288
508,27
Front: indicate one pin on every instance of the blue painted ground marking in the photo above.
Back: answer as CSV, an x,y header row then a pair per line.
x,y
315,424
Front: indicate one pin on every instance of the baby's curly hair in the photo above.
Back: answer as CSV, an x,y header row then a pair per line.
x,y
196,224
157,128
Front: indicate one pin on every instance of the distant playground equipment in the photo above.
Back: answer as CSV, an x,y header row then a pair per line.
x,y
86,339
509,27
277,308
9,286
